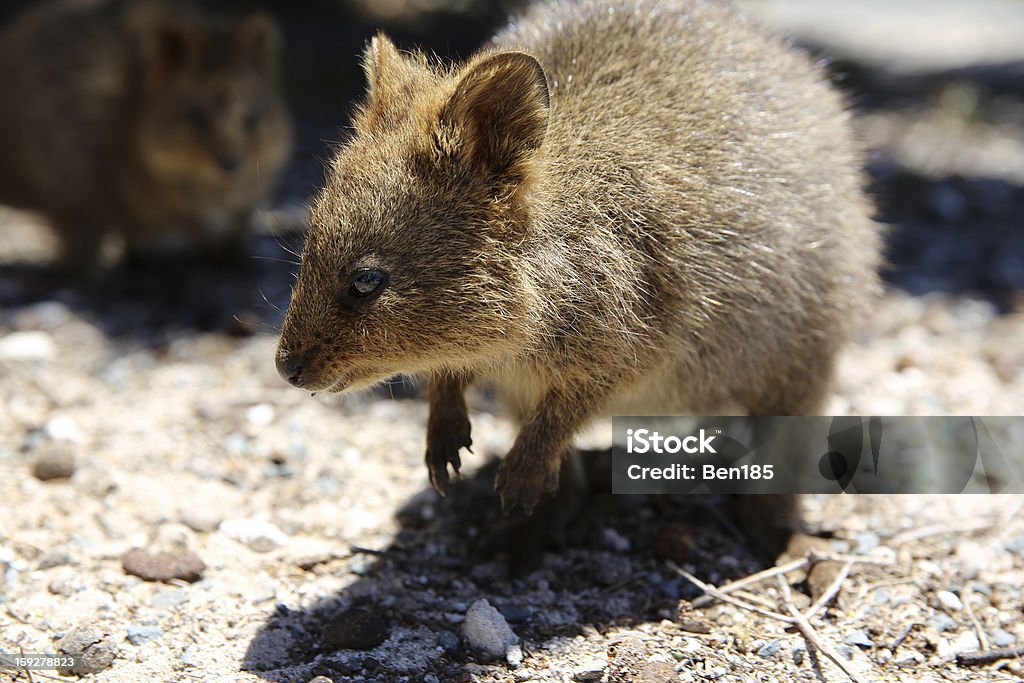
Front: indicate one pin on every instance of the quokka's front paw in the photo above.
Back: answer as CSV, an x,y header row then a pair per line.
x,y
443,447
522,481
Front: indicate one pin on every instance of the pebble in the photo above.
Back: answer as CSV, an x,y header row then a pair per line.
x,y
514,656
355,629
770,649
63,428
179,564
138,635
949,600
908,658
202,517
27,346
257,535
1001,638
614,541
260,415
320,679
168,599
486,630
53,461
859,638
965,642
92,647
590,671
54,558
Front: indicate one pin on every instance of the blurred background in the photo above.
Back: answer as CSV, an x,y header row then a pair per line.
x,y
139,405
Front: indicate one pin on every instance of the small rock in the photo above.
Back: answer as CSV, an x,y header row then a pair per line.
x,y
941,621
591,671
965,642
770,649
1001,638
53,461
514,656
677,542
54,558
168,599
486,630
180,564
260,415
257,535
138,635
908,658
63,428
614,541
202,517
355,629
92,647
858,638
27,346
320,679
949,600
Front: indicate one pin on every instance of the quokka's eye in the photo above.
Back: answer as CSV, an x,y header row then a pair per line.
x,y
367,282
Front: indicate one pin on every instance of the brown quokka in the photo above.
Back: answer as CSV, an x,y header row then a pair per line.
x,y
615,208
141,118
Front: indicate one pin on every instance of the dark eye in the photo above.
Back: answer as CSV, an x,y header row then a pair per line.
x,y
367,282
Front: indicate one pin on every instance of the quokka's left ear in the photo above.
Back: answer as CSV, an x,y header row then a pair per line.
x,y
260,41
498,115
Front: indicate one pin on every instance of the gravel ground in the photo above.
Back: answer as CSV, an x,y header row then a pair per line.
x,y
283,538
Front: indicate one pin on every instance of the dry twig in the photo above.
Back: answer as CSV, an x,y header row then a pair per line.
x,y
812,636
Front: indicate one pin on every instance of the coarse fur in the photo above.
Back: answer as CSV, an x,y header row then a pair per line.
x,y
617,207
142,118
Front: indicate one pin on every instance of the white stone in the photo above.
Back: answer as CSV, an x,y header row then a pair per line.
x,y
260,415
256,534
486,630
27,346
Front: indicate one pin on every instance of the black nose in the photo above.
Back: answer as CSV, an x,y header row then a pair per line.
x,y
289,366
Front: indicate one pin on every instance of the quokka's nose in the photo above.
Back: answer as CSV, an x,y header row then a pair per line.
x,y
289,366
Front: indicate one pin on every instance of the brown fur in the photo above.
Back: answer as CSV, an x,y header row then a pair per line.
x,y
617,207
142,118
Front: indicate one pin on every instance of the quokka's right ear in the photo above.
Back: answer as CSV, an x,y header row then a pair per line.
x,y
498,115
387,82
169,43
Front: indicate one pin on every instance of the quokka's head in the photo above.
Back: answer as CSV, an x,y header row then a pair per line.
x,y
212,114
413,260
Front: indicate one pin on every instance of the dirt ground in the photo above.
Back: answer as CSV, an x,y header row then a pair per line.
x,y
143,410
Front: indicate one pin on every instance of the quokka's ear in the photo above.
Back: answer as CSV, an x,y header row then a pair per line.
x,y
169,43
259,41
499,111
389,88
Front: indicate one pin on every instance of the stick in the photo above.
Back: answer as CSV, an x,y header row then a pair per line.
x,y
715,593
812,636
977,657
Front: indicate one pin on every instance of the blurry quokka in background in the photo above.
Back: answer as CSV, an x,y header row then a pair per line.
x,y
149,120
